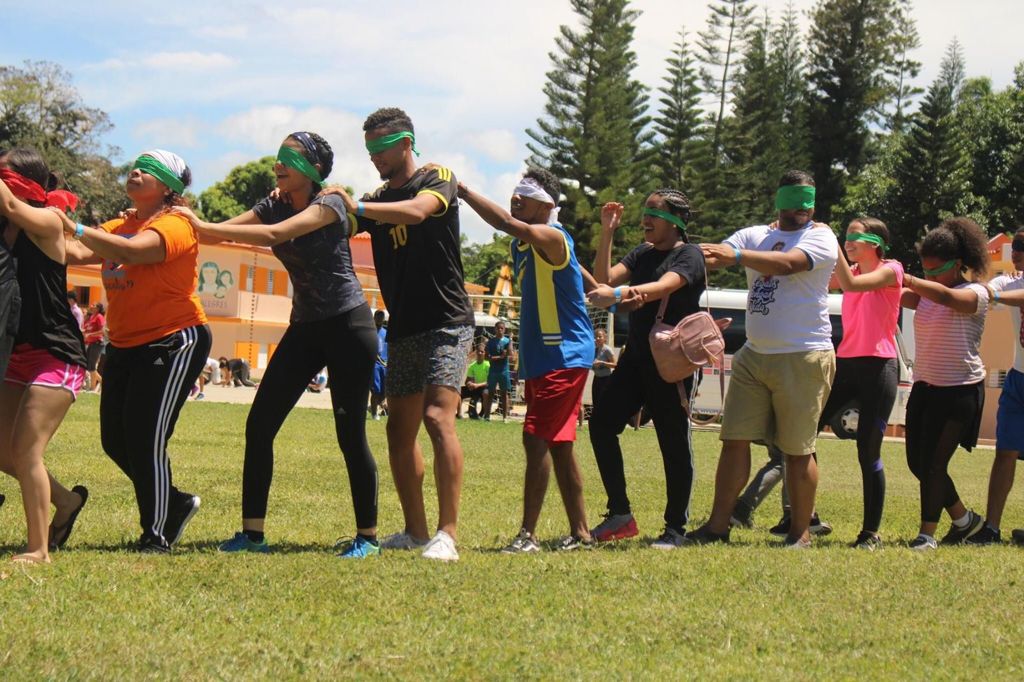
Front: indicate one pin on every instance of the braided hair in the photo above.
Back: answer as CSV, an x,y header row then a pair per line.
x,y
321,153
678,205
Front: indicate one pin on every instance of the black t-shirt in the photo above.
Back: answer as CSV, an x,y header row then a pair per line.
x,y
419,267
319,263
647,264
46,321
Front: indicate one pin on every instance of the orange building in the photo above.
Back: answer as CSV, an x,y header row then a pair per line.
x,y
247,295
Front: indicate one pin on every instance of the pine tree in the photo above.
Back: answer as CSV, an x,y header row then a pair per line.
x,y
933,173
594,133
852,57
720,42
903,69
678,123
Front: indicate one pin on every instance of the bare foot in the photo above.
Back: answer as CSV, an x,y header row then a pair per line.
x,y
40,557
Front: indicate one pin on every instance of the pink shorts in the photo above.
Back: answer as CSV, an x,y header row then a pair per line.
x,y
35,367
553,404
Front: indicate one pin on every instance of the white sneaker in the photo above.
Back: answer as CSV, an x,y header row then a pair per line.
x,y
401,541
670,539
441,547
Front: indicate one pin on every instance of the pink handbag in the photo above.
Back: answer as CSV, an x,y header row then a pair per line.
x,y
681,350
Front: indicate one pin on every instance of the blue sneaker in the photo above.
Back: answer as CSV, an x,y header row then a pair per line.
x,y
242,543
360,549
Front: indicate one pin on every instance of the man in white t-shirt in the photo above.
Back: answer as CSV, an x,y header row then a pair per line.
x,y
782,375
1008,290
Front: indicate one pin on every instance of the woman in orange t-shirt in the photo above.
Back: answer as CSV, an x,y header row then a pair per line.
x,y
159,340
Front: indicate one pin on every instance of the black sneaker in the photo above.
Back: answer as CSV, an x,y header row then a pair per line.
x,y
867,540
781,529
150,545
957,535
2,500
178,517
818,527
705,536
986,536
1018,536
742,516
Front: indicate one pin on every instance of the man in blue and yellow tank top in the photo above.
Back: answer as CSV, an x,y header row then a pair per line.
x,y
556,347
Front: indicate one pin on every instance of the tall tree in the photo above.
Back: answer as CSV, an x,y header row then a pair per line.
x,y
852,57
933,175
239,191
678,123
903,69
41,108
594,133
720,42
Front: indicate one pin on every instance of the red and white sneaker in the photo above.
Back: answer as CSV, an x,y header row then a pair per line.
x,y
615,527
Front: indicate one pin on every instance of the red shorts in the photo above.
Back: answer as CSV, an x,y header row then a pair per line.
x,y
31,366
553,404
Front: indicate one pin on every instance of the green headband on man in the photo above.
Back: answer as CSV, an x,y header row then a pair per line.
x,y
150,166
945,267
794,198
869,237
379,144
665,215
292,158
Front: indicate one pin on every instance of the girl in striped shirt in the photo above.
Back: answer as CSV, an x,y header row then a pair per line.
x,y
945,404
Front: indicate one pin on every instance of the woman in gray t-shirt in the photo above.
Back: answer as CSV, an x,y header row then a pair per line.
x,y
330,326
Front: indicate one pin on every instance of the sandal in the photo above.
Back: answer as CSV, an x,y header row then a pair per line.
x,y
59,535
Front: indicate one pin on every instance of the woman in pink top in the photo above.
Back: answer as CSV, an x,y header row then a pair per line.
x,y
944,408
866,368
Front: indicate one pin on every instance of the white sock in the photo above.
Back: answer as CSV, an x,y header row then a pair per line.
x,y
963,520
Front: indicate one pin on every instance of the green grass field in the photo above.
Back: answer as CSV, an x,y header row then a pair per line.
x,y
740,611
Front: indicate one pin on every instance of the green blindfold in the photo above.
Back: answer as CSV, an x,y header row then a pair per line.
x,y
794,198
868,237
945,267
291,158
665,215
150,166
388,141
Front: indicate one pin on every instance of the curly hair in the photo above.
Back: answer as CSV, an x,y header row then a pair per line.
x,y
546,179
958,238
392,118
876,227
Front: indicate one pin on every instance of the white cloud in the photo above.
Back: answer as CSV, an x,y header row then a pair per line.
x,y
167,61
498,145
169,132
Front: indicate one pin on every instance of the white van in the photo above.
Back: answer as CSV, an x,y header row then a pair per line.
x,y
733,303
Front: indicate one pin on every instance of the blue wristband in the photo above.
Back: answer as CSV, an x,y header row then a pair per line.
x,y
79,230
618,295
737,252
360,208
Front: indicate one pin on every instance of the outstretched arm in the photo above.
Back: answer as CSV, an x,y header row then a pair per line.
x,y
311,218
549,241
41,223
961,300
409,212
717,256
879,278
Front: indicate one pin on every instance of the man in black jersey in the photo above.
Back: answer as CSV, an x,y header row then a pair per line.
x,y
413,220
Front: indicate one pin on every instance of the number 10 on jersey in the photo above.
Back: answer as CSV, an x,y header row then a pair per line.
x,y
399,235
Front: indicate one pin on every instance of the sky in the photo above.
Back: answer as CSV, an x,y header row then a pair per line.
x,y
223,82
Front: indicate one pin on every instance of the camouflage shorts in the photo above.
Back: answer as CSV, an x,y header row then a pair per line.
x,y
437,357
